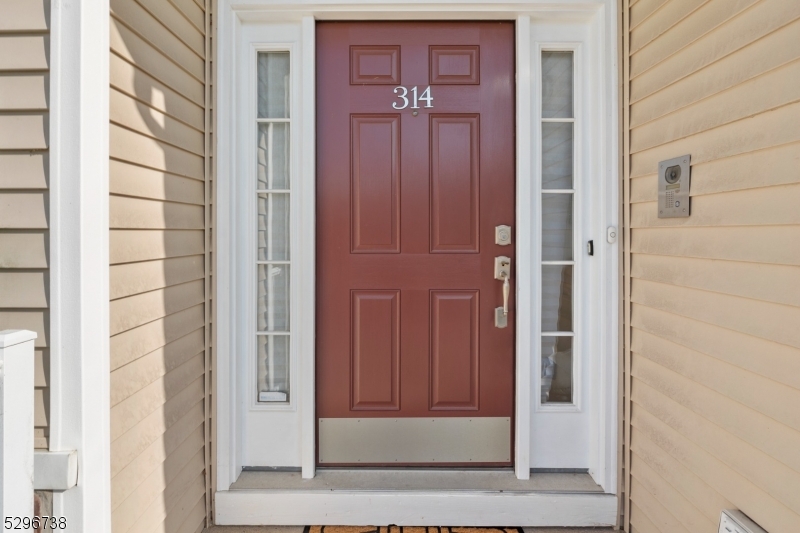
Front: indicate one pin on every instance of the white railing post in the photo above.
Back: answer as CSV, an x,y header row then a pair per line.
x,y
16,423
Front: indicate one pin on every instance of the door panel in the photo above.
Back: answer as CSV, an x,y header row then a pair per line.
x,y
451,65
455,204
376,350
407,204
375,181
454,350
374,65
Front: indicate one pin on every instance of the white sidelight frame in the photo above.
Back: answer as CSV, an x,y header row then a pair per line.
x,y
249,214
578,252
560,433
237,213
251,25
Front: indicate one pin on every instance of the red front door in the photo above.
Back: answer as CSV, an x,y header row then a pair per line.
x,y
415,171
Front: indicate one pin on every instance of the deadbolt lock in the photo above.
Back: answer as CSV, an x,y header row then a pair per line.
x,y
502,235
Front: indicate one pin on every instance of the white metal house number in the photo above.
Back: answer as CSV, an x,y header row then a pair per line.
x,y
424,97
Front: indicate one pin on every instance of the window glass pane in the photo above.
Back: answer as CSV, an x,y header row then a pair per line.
x,y
273,85
557,84
273,227
556,370
557,155
273,297
557,298
273,367
273,155
557,227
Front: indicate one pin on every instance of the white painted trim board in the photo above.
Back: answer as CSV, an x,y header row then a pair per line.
x,y
79,258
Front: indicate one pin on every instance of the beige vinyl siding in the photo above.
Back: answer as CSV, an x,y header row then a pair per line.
x,y
24,242
712,302
159,266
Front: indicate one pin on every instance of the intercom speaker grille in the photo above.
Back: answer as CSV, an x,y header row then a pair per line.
x,y
669,201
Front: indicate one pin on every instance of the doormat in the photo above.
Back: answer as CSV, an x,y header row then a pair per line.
x,y
409,529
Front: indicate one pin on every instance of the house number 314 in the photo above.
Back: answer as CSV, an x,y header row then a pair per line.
x,y
402,94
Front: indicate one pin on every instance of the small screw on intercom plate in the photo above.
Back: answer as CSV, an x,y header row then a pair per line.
x,y
673,187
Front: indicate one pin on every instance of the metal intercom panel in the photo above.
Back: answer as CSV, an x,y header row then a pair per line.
x,y
673,187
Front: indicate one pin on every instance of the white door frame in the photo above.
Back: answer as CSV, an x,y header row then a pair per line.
x,y
599,21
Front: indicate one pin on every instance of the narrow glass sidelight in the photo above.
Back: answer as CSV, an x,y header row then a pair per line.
x,y
273,155
557,298
557,370
557,223
273,227
557,218
557,155
273,298
273,374
273,85
272,197
557,85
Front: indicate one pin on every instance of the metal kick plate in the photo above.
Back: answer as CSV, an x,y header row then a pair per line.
x,y
414,440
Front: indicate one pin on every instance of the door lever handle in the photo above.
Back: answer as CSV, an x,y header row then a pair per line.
x,y
502,272
506,291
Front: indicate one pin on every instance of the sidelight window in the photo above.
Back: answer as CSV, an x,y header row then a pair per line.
x,y
273,267
557,223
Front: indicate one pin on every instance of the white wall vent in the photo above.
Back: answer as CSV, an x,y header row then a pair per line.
x,y
732,521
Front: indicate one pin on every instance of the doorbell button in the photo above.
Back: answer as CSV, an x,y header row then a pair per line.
x,y
611,234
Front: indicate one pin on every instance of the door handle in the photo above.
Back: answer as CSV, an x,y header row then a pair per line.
x,y
502,272
506,290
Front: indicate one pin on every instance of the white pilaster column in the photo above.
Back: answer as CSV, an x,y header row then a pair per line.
x,y
79,258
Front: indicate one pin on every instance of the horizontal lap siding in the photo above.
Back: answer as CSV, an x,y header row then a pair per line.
x,y
24,242
158,277
712,302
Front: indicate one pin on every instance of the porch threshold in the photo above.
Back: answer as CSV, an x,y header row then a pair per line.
x,y
417,479
427,497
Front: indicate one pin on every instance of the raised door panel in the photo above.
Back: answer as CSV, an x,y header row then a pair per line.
x,y
455,208
375,365
454,350
375,184
455,65
374,65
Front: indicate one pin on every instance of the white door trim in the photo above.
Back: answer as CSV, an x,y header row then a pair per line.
x,y
307,264
524,250
233,19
